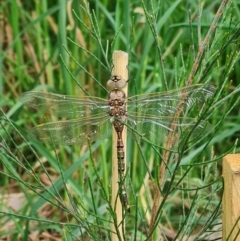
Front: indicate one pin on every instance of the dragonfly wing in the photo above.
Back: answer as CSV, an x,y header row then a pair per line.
x,y
167,103
158,130
65,106
78,131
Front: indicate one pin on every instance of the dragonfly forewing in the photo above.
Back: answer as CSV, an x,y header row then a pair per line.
x,y
167,103
65,106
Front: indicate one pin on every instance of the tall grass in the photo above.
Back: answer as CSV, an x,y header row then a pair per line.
x,y
63,191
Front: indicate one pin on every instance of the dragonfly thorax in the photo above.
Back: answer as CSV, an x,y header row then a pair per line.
x,y
117,105
116,82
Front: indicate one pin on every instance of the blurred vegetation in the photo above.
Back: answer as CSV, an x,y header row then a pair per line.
x,y
65,47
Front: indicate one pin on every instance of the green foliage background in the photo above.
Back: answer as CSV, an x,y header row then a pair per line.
x,y
54,46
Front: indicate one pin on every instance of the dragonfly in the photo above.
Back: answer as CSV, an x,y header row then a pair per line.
x,y
146,116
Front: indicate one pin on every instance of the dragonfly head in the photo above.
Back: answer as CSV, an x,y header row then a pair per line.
x,y
116,82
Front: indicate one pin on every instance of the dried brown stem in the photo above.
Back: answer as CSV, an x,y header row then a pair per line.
x,y
120,62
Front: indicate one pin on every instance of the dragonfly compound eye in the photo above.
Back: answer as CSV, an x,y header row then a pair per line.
x,y
116,82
